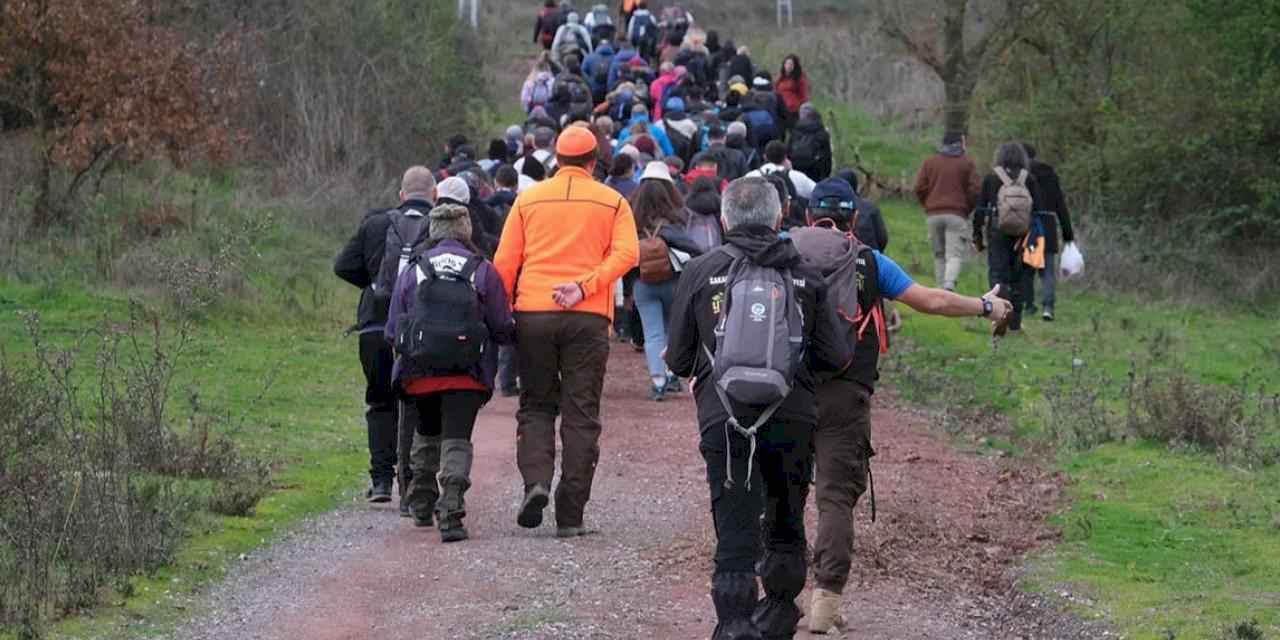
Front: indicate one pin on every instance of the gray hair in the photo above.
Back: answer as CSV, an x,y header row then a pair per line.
x,y
1012,156
750,201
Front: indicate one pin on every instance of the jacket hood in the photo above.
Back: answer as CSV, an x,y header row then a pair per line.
x,y
764,246
812,124
638,118
952,150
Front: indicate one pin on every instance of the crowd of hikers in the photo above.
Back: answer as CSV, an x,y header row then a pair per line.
x,y
666,191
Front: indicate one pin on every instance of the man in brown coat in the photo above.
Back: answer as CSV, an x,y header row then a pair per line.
x,y
947,187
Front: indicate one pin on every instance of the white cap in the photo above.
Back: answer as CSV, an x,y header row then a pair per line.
x,y
455,189
657,170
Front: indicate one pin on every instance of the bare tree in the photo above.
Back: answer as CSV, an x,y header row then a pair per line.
x,y
957,39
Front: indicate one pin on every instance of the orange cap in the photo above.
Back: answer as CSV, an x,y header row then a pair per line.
x,y
576,141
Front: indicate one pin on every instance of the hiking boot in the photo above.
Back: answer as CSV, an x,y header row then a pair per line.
x,y
535,500
455,479
1015,321
453,532
673,385
424,521
824,613
1048,314
657,394
380,491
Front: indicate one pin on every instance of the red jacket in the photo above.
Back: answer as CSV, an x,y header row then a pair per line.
x,y
793,92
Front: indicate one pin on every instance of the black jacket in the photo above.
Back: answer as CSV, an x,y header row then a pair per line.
x,y
1053,201
986,209
695,312
676,238
360,259
741,66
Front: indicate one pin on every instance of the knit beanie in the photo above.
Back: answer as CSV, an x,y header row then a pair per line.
x,y
450,221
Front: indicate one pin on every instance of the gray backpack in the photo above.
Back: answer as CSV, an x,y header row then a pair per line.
x,y
404,236
759,344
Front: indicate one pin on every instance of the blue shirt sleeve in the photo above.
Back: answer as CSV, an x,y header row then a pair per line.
x,y
893,281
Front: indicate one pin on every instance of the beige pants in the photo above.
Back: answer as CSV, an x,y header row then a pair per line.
x,y
949,234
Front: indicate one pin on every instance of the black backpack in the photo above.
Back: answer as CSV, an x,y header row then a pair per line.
x,y
683,145
573,91
804,148
445,332
404,237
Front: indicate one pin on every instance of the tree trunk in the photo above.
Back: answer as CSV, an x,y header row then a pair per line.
x,y
959,94
43,212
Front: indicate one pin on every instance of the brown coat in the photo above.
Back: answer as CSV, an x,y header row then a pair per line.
x,y
948,184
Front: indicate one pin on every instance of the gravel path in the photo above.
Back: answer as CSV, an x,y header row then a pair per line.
x,y
937,564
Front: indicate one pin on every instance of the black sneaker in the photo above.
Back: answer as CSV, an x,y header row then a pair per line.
x,y
535,500
673,385
657,394
380,491
453,533
1048,314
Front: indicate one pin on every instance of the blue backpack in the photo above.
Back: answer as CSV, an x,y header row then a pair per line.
x,y
761,129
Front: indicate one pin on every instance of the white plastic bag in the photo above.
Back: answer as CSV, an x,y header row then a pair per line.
x,y
1072,261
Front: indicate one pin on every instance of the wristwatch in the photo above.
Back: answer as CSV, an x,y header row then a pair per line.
x,y
987,308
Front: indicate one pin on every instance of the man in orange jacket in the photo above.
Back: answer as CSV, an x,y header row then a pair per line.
x,y
566,242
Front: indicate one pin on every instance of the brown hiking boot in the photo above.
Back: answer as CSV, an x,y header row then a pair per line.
x,y
824,613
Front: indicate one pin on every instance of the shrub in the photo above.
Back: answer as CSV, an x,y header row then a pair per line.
x,y
92,467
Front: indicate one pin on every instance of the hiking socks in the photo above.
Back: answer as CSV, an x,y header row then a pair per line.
x,y
424,491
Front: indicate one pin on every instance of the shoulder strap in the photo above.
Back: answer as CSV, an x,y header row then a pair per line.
x,y
1022,178
1003,175
469,269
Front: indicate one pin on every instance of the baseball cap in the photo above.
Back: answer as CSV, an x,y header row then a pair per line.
x,y
575,142
454,189
833,193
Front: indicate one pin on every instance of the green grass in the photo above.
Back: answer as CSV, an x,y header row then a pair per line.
x,y
1163,541
273,357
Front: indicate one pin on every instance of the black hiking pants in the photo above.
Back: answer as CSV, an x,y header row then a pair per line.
x,y
562,357
382,415
747,544
1005,268
842,447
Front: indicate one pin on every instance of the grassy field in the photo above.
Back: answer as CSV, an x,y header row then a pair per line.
x,y
273,358
1167,543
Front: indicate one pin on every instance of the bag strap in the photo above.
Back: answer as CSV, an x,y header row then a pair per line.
x,y
1003,175
1022,178
469,269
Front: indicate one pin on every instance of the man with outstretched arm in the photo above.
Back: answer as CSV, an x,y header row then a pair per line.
x,y
567,240
860,279
764,471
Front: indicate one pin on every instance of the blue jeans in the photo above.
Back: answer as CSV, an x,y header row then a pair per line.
x,y
653,301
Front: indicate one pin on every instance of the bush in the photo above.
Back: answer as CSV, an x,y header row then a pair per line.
x,y
92,468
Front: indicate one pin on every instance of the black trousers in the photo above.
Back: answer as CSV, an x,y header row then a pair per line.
x,y
746,543
382,413
1005,267
449,414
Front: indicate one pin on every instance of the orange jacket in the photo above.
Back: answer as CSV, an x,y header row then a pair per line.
x,y
567,229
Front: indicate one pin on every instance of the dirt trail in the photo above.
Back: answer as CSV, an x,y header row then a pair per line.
x,y
935,565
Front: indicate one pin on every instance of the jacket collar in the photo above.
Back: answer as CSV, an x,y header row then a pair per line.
x,y
574,171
